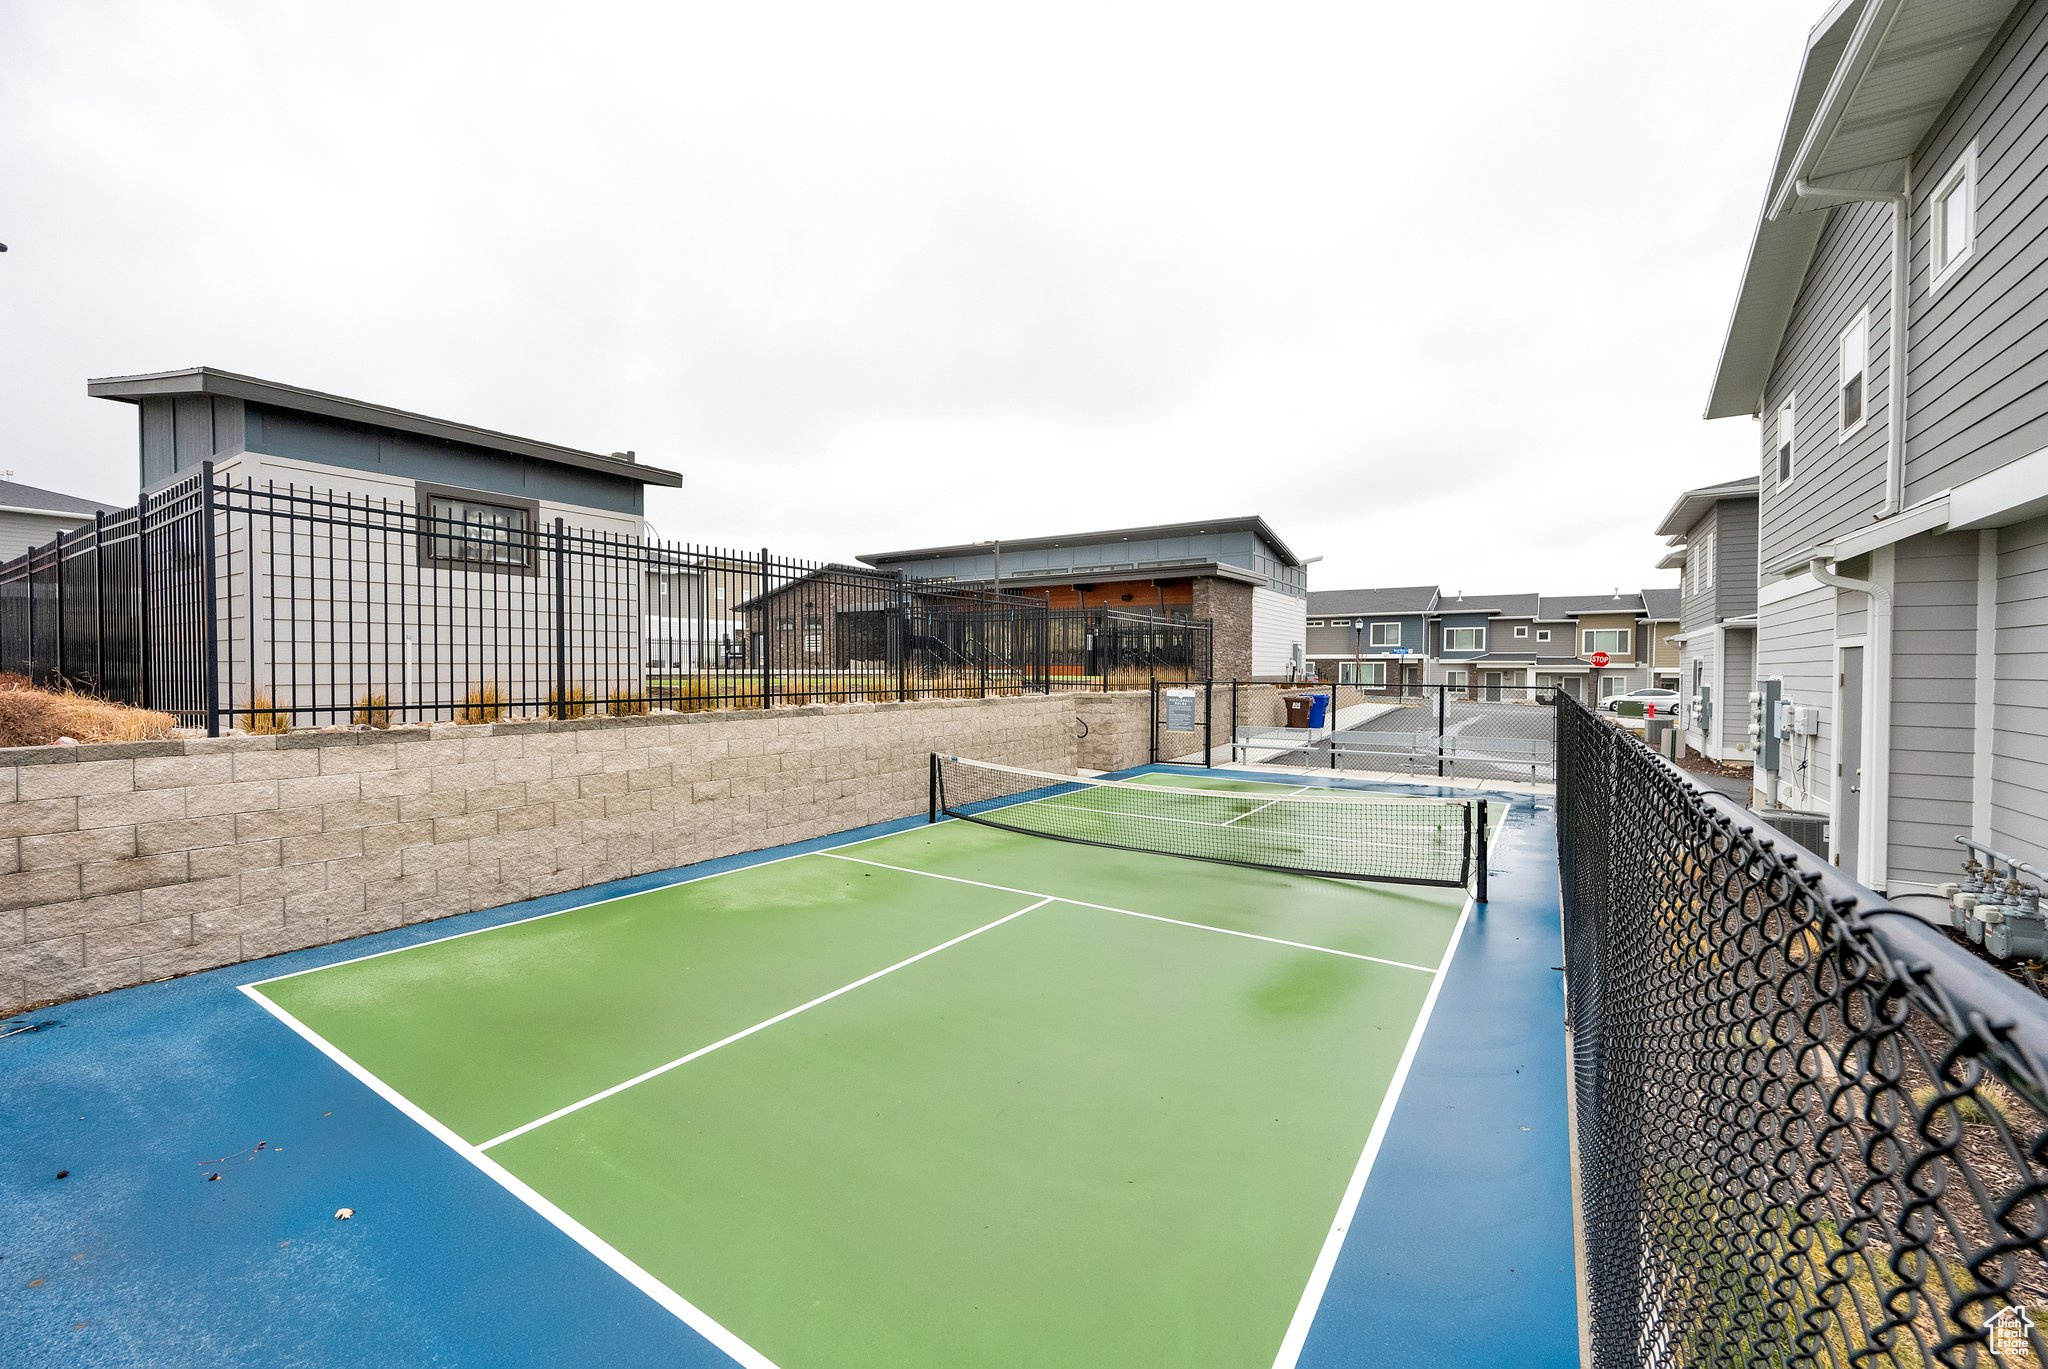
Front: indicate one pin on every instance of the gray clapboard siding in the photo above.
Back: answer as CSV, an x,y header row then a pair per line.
x,y
1796,644
1980,347
1836,485
1934,673
1735,529
2019,744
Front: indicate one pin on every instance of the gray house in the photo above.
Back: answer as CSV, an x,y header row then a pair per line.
x,y
366,550
1712,533
31,517
1372,637
1888,337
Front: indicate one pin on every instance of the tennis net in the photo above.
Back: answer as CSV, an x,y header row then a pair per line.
x,y
1398,839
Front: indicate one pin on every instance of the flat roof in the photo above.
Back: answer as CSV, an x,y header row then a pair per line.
x,y
206,380
1247,523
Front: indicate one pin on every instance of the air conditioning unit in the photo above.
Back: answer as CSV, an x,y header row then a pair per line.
x,y
1807,829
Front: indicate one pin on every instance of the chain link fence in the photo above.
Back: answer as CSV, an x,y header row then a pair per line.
x,y
1810,1127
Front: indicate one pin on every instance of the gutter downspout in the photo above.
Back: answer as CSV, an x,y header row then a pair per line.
x,y
1874,840
1901,202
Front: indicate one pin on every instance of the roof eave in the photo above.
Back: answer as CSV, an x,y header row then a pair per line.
x,y
206,380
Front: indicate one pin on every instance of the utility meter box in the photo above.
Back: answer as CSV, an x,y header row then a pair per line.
x,y
1806,721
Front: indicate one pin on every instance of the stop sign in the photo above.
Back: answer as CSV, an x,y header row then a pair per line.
x,y
1599,658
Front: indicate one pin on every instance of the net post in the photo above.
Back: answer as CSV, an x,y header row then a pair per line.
x,y
1442,691
931,810
1209,724
1154,729
1479,890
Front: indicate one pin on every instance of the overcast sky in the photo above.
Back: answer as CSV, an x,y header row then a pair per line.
x,y
1436,289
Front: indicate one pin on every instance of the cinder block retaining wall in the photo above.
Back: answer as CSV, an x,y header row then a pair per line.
x,y
131,862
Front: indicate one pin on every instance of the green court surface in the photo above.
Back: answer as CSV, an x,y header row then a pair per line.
x,y
950,1096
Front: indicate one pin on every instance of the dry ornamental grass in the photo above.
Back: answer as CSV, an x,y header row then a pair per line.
x,y
30,716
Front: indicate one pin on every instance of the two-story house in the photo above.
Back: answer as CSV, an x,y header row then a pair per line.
x,y
1712,533
1495,643
1378,638
1887,338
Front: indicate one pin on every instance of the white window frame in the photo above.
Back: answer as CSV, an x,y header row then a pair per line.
x,y
1447,639
1960,180
1521,630
1860,330
1586,647
1457,679
1364,674
1786,453
1542,634
1372,632
1703,580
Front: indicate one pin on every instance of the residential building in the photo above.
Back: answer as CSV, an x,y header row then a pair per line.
x,y
1234,572
1373,637
32,517
1886,337
1416,634
1712,533
407,539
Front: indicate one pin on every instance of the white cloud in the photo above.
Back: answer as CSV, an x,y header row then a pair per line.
x,y
1437,292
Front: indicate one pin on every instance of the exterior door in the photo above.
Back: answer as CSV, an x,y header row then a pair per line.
x,y
1493,686
1849,765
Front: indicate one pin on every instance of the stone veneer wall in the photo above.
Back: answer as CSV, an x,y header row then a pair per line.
x,y
1228,605
131,862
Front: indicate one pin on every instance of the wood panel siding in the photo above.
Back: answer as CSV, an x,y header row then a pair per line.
x,y
1159,597
1836,485
2019,746
1796,644
1979,347
1934,670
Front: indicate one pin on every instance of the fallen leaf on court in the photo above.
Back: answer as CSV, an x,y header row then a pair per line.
x,y
342,1214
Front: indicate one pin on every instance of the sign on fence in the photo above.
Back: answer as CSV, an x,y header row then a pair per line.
x,y
1180,710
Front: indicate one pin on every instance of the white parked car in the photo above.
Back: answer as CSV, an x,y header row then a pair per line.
x,y
1666,700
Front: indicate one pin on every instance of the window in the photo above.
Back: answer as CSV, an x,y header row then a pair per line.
x,y
1954,215
1372,674
1611,685
1612,640
1521,630
1386,634
1787,429
1456,679
1542,634
464,529
1851,396
1464,639
1703,578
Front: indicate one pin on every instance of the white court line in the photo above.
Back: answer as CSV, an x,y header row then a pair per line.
x,y
573,908
1264,806
746,1032
1149,917
1333,1244
675,1303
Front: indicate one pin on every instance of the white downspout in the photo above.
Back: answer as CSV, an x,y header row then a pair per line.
x,y
1872,858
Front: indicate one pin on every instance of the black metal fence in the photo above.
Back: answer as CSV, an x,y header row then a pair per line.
x,y
1810,1127
1475,731
266,606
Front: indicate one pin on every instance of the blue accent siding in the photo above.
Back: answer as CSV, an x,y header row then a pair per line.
x,y
1463,620
361,447
1117,560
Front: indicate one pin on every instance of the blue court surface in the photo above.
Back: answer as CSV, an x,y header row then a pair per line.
x,y
1070,1123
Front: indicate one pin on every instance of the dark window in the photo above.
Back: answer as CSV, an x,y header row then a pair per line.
x,y
464,529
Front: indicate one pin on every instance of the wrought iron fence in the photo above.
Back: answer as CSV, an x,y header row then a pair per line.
x,y
267,606
1810,1127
